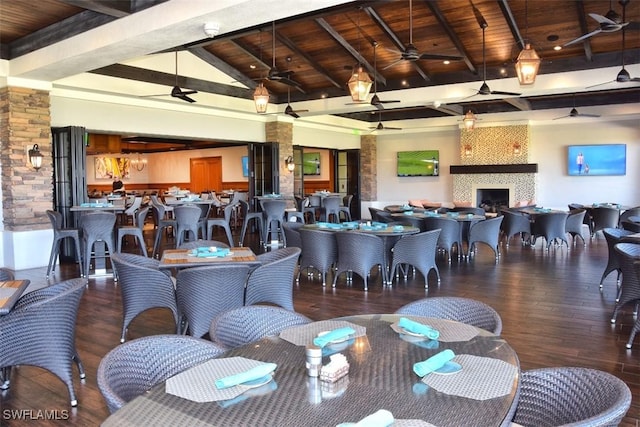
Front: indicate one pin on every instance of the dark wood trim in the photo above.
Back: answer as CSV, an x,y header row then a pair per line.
x,y
514,168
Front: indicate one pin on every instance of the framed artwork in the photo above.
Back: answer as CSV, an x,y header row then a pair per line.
x,y
602,159
110,167
245,165
311,163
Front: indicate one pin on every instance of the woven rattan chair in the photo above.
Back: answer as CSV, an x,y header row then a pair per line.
x,y
574,224
633,226
6,274
59,234
163,222
194,244
631,212
612,237
243,325
40,331
204,292
273,220
419,251
359,253
143,287
272,282
131,210
571,396
449,234
134,367
292,231
225,222
628,253
331,209
636,325
97,227
604,217
187,222
247,217
513,223
550,226
134,230
319,252
488,232
465,310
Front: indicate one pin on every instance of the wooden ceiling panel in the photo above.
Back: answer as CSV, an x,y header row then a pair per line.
x,y
19,19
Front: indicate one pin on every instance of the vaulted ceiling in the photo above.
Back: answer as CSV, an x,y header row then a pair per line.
x,y
314,45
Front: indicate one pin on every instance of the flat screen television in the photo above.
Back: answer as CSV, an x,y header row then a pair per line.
x,y
418,163
602,159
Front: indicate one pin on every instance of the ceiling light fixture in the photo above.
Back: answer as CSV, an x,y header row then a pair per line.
x,y
469,120
35,157
261,98
528,62
138,163
360,82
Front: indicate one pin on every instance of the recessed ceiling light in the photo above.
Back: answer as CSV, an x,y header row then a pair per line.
x,y
557,47
252,66
404,83
446,62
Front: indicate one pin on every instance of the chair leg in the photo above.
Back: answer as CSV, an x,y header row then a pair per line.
x,y
53,256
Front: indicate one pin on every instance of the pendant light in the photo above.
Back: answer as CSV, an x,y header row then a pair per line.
x,y
469,120
360,82
261,94
528,62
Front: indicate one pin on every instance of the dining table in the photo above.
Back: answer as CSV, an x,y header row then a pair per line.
x,y
477,386
198,257
10,293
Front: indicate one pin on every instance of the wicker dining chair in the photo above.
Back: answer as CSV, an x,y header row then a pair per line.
x,y
513,223
273,220
134,367
604,217
571,396
59,234
359,253
97,227
272,282
247,217
419,251
6,274
319,252
574,224
331,209
243,325
449,234
612,237
225,222
292,231
143,287
187,222
636,325
628,253
164,221
134,230
486,231
551,226
464,310
40,331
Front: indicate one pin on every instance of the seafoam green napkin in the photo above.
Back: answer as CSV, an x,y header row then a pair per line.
x,y
418,328
433,363
250,375
381,418
334,335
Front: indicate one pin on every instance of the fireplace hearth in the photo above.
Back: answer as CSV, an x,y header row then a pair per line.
x,y
493,199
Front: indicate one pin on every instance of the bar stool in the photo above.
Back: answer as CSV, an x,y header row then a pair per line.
x,y
345,209
60,233
247,217
134,230
273,214
222,222
97,227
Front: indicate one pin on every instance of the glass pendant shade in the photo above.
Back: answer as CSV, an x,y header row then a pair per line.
x,y
527,65
359,85
261,98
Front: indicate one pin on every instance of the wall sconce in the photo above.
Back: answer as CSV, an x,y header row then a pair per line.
x,y
139,163
469,120
261,98
468,151
291,166
35,157
517,150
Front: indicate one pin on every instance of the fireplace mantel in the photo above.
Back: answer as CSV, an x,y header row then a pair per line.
x,y
512,168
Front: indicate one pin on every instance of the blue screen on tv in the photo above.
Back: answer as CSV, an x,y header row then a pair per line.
x,y
586,160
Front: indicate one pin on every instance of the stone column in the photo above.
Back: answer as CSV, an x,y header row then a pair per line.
x,y
368,168
282,134
26,193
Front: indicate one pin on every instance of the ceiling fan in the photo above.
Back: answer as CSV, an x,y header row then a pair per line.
x,y
289,109
274,74
410,52
176,92
375,99
608,23
623,75
574,112
484,89
380,126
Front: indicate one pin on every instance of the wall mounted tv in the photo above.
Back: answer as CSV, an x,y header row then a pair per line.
x,y
418,163
604,159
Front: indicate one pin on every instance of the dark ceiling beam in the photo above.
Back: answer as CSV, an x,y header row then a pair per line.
x,y
452,110
255,57
520,103
437,13
393,37
342,42
584,29
169,80
316,66
219,64
115,8
511,22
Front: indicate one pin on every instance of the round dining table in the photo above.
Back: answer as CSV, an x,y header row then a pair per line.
x,y
381,358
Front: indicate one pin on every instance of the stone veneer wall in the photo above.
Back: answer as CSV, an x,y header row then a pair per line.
x,y
492,146
282,133
368,168
26,193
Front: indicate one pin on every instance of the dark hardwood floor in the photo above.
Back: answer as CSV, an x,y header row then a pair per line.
x,y
552,310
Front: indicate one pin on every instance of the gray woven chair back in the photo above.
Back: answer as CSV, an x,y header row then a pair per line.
x,y
60,233
40,331
612,237
187,219
292,231
628,254
488,232
6,274
359,253
203,243
247,217
272,282
604,217
142,287
464,310
551,226
141,216
515,223
631,212
134,367
571,396
319,252
98,226
636,325
225,222
574,224
240,326
468,210
204,292
418,250
131,209
274,217
633,226
449,233
331,207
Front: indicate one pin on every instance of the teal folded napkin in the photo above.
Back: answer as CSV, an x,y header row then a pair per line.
x,y
418,328
254,373
322,224
381,418
334,335
433,363
208,253
350,224
398,228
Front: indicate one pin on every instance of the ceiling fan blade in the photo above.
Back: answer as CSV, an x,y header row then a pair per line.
x,y
499,92
189,92
390,101
588,115
393,63
184,98
562,117
602,19
633,26
581,38
600,84
440,57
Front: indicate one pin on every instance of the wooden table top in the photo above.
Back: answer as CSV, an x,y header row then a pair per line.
x,y
10,292
181,258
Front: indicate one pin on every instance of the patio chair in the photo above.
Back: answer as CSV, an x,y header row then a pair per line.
x,y
449,234
627,214
465,310
97,227
604,217
243,325
163,222
59,234
513,223
272,282
225,222
419,251
187,222
612,237
574,224
143,287
273,220
359,253
571,396
319,252
636,325
331,209
486,231
40,331
292,231
134,230
345,208
628,253
133,368
247,217
550,226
